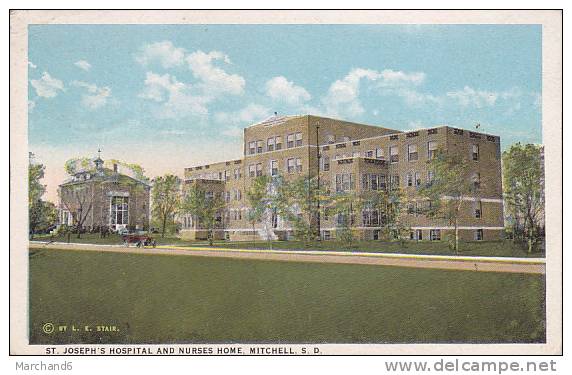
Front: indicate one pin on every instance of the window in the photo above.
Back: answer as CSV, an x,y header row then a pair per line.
x,y
291,165
478,209
373,180
274,167
370,218
226,175
345,182
411,208
475,152
290,140
417,179
326,163
479,235
270,144
237,173
395,181
381,182
435,234
274,218
412,153
327,235
409,179
476,180
365,181
419,235
430,177
298,139
393,154
298,165
331,138
227,196
369,154
252,148
379,153
252,170
432,147
120,210
346,138
258,169
356,154
259,146
278,142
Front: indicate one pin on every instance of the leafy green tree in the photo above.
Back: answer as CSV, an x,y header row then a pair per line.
x,y
35,174
166,199
523,182
297,201
345,205
204,207
390,204
259,200
43,215
446,192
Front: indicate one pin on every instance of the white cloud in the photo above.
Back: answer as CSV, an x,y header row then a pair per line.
x,y
477,98
84,65
248,115
393,78
214,80
32,65
165,53
413,97
282,90
47,86
342,97
177,99
95,97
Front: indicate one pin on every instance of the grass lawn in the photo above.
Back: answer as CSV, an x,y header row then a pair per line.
x,y
172,299
473,248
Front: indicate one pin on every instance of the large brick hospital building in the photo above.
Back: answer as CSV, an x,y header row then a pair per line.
x,y
353,157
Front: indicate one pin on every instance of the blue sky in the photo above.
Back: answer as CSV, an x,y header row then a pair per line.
x,y
170,96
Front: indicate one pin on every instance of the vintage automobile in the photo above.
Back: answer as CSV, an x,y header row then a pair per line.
x,y
140,240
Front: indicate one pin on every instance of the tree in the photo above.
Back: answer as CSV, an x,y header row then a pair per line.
x,y
258,200
448,189
523,182
43,215
78,201
344,205
166,199
204,207
297,201
389,204
35,192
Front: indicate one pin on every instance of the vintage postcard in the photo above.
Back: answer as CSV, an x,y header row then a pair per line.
x,y
286,182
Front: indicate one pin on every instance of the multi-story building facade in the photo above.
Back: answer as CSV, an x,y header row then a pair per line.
x,y
352,157
103,197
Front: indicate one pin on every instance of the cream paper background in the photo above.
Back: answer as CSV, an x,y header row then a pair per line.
x,y
551,130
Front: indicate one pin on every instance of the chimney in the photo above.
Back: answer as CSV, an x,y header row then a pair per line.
x,y
114,167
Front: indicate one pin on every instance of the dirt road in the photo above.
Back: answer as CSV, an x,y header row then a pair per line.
x,y
475,264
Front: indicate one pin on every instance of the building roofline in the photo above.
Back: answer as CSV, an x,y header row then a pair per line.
x,y
400,132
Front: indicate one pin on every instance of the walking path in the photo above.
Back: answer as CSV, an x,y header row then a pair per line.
x,y
479,264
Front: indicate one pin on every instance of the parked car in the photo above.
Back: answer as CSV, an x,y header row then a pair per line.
x,y
140,240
